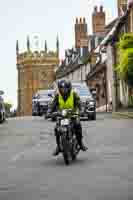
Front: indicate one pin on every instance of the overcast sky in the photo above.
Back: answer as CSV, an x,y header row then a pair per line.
x,y
46,19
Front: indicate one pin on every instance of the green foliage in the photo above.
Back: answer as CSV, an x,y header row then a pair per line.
x,y
126,41
130,101
8,106
125,67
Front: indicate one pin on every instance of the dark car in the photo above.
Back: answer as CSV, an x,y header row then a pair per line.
x,y
40,102
88,105
2,110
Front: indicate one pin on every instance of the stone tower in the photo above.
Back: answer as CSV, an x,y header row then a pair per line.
x,y
81,35
122,6
36,70
98,20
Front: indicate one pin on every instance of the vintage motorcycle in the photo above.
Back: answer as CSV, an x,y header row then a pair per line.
x,y
68,141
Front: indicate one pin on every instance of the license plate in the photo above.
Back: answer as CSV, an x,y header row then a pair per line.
x,y
64,122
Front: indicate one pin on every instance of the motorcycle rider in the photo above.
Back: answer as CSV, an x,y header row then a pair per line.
x,y
67,98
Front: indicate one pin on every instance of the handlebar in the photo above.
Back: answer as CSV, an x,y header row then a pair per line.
x,y
69,112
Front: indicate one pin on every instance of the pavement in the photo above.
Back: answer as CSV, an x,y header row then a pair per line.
x,y
28,171
123,113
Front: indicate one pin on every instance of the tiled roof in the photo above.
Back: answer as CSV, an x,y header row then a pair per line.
x,y
66,69
111,36
111,24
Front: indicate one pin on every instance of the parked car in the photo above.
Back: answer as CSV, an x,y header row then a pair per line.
x,y
34,106
40,102
2,110
88,104
51,95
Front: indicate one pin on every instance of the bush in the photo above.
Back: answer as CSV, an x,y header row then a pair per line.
x,y
125,67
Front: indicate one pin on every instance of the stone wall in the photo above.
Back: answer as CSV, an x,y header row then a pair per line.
x,y
35,71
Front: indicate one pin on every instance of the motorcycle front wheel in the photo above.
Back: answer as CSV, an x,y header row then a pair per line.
x,y
66,152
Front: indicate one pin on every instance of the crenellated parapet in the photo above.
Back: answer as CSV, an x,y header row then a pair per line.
x,y
36,56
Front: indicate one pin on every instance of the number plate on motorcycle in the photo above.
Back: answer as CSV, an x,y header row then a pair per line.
x,y
64,122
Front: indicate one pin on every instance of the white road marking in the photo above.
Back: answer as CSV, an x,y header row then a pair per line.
x,y
17,156
20,154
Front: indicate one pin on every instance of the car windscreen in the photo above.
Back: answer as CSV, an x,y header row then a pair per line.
x,y
43,95
83,90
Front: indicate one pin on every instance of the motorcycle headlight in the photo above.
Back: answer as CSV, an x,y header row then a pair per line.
x,y
91,103
64,112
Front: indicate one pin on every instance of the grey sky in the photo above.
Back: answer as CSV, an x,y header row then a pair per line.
x,y
45,19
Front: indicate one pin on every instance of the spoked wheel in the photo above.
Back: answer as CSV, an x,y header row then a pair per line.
x,y
66,152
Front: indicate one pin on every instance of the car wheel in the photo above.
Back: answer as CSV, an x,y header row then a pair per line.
x,y
1,118
4,117
93,116
45,116
53,119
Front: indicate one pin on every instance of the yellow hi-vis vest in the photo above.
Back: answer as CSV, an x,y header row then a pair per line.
x,y
68,104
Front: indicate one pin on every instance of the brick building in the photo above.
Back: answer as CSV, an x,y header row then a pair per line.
x,y
72,66
121,6
98,20
81,36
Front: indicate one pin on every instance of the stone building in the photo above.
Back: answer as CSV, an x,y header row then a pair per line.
x,y
36,70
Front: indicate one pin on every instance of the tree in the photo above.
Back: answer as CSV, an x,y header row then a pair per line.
x,y
125,66
8,107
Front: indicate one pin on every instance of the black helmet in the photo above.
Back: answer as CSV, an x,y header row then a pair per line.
x,y
64,87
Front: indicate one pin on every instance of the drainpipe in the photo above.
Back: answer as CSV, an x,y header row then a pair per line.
x,y
105,87
115,103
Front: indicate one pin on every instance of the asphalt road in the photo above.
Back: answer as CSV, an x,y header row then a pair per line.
x,y
28,171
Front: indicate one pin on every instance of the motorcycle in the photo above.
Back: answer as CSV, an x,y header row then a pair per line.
x,y
68,141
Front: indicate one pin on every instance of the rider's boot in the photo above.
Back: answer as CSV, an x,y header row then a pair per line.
x,y
56,151
82,146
